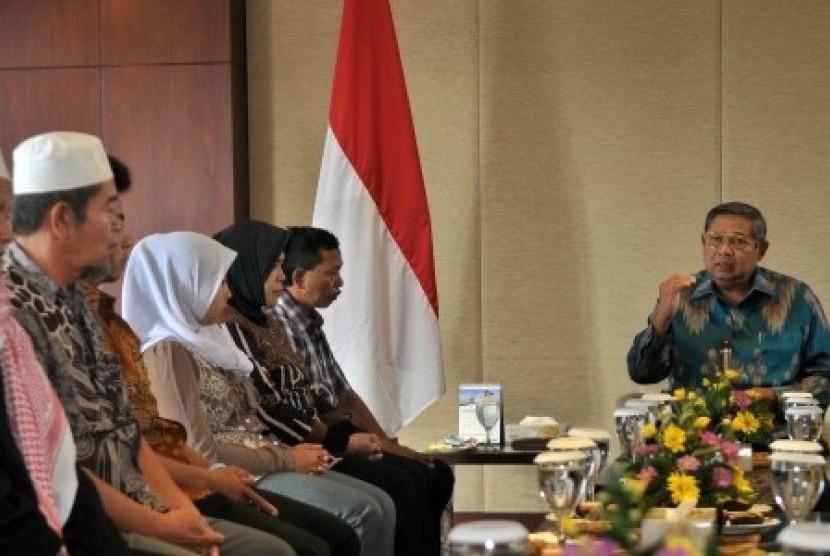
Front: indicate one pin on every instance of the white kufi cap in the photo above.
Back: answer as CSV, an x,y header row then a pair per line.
x,y
4,172
59,161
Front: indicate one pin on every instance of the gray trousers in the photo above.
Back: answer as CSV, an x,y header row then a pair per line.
x,y
239,541
368,509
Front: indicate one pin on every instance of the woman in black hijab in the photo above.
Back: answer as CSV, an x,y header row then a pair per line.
x,y
255,280
290,407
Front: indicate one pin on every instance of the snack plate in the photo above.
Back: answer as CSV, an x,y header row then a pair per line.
x,y
768,524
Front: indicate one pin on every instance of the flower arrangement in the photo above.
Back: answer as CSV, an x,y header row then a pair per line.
x,y
623,508
692,455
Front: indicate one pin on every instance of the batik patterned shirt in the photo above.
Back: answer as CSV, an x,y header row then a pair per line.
x,y
303,329
165,437
779,337
70,345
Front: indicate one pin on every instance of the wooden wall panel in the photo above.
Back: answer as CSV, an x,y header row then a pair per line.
x,y
151,31
166,122
37,101
182,127
48,33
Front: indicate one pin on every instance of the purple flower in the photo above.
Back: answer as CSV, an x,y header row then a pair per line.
x,y
722,477
647,473
709,438
605,547
742,399
646,449
730,450
688,463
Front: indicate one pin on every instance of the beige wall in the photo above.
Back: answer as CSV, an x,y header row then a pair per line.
x,y
570,150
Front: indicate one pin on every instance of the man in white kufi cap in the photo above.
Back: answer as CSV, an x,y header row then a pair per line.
x,y
64,191
47,503
65,226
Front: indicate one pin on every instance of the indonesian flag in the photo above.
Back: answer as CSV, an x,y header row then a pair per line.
x,y
383,328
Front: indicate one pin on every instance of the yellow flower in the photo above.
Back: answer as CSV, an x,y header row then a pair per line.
x,y
648,430
674,438
679,394
742,484
731,374
682,487
706,382
691,396
634,487
702,422
746,422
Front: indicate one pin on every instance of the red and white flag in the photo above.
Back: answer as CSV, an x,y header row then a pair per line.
x,y
383,328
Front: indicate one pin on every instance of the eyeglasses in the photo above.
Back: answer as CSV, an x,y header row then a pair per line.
x,y
735,242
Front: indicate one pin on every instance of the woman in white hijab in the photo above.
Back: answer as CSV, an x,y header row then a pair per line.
x,y
173,291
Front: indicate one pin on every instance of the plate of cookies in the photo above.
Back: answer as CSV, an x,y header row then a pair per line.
x,y
754,518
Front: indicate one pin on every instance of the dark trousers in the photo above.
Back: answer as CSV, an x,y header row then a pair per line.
x,y
309,530
419,494
438,482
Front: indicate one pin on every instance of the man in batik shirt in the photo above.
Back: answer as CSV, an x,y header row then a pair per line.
x,y
64,228
774,324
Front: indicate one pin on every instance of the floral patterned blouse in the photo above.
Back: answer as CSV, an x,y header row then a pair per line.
x,y
216,407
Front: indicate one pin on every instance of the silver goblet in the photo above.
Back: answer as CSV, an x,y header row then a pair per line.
x,y
629,422
804,423
562,478
797,482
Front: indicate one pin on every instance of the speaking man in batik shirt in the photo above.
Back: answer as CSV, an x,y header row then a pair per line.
x,y
775,324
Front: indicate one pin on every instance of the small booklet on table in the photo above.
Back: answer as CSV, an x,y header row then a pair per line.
x,y
479,404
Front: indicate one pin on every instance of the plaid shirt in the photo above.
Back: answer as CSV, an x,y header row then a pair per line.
x,y
303,329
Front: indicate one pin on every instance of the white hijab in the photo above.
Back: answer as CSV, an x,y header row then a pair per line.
x,y
170,281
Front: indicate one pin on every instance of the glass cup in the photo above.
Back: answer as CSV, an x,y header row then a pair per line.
x,y
563,479
603,441
629,422
797,482
488,412
652,406
581,444
804,423
664,408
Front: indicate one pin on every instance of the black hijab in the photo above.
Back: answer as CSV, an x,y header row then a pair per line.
x,y
258,246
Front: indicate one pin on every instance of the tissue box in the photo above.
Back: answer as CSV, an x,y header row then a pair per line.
x,y
540,427
699,526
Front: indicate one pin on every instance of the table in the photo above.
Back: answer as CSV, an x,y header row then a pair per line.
x,y
504,455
